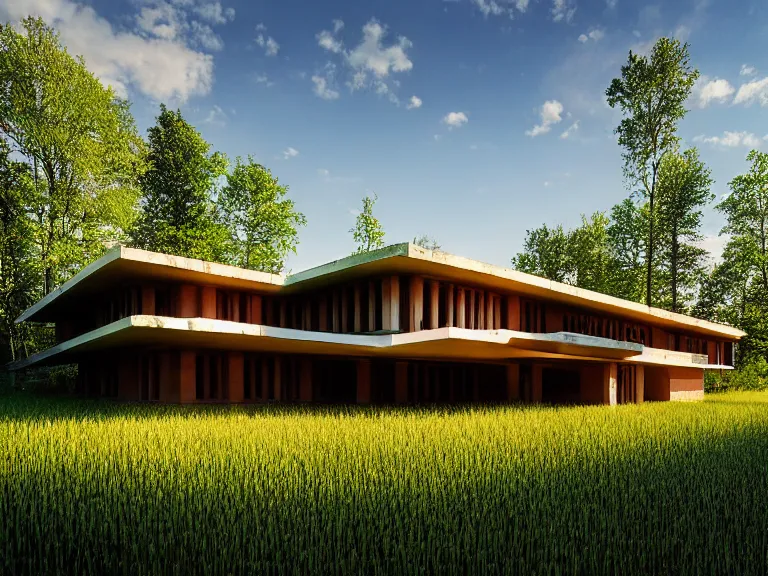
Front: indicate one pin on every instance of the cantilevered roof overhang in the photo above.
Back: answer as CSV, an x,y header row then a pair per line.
x,y
131,265
442,344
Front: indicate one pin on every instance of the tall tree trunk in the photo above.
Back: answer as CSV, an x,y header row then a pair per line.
x,y
674,266
649,276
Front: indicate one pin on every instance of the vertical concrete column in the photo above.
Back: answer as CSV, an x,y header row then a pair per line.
x,y
461,310
344,311
187,377
390,303
208,302
513,382
278,381
255,309
371,306
449,305
148,300
236,391
610,371
490,319
305,380
639,384
306,322
401,382
417,303
481,310
234,306
394,306
335,313
537,386
283,313
434,304
472,317
323,314
513,312
363,381
187,301
358,317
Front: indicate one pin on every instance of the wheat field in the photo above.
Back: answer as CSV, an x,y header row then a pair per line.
x,y
89,487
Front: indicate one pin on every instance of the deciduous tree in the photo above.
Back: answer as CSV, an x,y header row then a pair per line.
x,y
368,233
651,93
263,223
81,142
178,215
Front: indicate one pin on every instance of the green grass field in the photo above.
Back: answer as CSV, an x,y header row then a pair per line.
x,y
100,488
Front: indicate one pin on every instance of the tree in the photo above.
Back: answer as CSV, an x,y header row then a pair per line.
x,y
426,242
545,253
178,215
19,276
651,94
683,189
368,232
262,222
627,236
590,254
81,142
745,258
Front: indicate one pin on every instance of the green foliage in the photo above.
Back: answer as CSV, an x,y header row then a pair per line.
x,y
426,242
545,253
651,94
683,190
627,237
262,222
368,233
736,291
79,139
20,278
311,490
752,376
177,213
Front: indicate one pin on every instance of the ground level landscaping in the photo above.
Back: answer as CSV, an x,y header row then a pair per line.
x,y
661,488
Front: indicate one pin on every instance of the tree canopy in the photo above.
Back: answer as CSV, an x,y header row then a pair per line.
x,y
368,233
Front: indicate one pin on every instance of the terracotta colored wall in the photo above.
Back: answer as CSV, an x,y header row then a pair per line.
x,y
128,377
685,379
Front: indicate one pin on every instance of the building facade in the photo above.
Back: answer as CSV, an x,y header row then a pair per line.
x,y
397,325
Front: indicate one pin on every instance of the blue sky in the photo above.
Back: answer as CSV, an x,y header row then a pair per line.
x,y
473,120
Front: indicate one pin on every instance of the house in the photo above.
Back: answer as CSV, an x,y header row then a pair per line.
x,y
397,325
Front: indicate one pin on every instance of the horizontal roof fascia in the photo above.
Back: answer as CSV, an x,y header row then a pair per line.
x,y
402,258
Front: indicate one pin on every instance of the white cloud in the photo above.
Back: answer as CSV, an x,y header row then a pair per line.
x,y
731,140
455,119
372,62
373,56
571,129
714,245
290,153
595,34
747,70
562,10
216,116
550,114
157,59
502,7
755,91
263,79
326,40
414,102
215,13
322,89
708,90
270,45
611,4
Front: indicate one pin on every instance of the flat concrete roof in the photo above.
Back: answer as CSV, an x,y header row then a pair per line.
x,y
442,344
128,263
